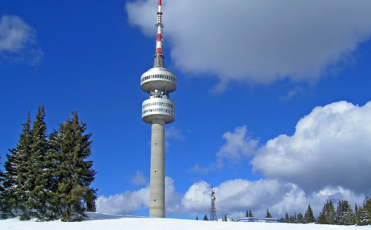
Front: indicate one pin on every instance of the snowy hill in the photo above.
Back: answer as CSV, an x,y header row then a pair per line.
x,y
112,222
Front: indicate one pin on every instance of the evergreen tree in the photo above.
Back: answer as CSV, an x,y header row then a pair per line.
x,y
363,217
300,218
3,209
309,217
268,214
250,213
355,209
196,217
294,219
205,218
327,215
287,218
69,148
37,177
367,205
14,192
344,214
247,213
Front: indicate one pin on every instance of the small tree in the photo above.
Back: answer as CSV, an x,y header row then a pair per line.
x,y
327,215
205,218
344,214
309,217
196,217
363,217
251,214
268,214
287,218
300,218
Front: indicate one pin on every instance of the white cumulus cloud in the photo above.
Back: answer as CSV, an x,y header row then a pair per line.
x,y
18,40
257,41
330,147
238,146
130,202
139,179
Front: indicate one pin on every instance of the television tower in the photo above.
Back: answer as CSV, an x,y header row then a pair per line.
x,y
158,110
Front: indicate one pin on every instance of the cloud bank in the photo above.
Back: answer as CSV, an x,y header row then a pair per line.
x,y
257,41
18,41
233,198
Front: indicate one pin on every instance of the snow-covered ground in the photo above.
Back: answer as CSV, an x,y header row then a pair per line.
x,y
112,222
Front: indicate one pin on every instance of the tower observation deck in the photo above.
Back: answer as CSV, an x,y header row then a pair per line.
x,y
158,110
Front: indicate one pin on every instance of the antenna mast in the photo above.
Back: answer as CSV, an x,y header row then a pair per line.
x,y
159,57
213,209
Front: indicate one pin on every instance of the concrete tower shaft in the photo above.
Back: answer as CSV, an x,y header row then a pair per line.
x,y
158,110
157,183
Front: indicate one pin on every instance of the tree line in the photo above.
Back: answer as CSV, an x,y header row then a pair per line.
x,y
48,177
344,214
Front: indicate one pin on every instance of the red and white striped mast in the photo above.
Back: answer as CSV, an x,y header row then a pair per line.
x,y
159,30
159,57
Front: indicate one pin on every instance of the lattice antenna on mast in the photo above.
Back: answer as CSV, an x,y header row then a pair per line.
x,y
213,209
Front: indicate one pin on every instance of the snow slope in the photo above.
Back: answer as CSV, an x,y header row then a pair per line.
x,y
112,222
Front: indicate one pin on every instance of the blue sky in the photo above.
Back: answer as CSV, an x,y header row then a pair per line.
x,y
271,105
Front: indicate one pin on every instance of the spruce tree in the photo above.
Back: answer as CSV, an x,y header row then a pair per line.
x,y
251,214
300,218
367,205
287,218
3,208
70,147
14,192
344,214
205,218
268,214
309,217
327,215
363,217
247,213
37,177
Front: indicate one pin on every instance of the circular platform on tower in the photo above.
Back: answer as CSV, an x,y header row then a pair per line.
x,y
158,78
158,109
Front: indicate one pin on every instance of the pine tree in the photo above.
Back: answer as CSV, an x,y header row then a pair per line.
x,y
355,209
205,218
3,209
247,213
69,148
344,214
300,218
309,217
327,215
196,217
14,192
363,217
37,177
367,205
268,214
287,218
251,214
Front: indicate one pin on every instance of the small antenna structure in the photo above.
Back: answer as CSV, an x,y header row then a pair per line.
x,y
213,216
